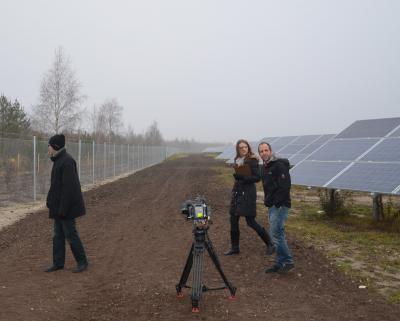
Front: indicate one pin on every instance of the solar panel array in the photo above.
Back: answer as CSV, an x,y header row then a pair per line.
x,y
363,157
295,148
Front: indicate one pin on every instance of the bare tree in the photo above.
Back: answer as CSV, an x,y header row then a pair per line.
x,y
153,135
110,117
60,97
97,123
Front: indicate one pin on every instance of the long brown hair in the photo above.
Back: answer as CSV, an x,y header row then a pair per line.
x,y
250,153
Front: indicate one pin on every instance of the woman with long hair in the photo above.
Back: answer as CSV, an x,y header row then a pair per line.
x,y
244,196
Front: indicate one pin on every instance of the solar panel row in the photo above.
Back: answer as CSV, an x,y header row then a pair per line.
x,y
365,156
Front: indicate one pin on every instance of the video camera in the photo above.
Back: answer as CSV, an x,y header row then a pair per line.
x,y
197,210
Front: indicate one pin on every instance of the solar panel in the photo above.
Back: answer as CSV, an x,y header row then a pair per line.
x,y
306,139
371,177
295,159
319,142
365,156
343,150
387,151
290,146
396,133
282,142
226,153
314,173
291,149
370,128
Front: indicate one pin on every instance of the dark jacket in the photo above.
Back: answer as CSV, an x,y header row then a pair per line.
x,y
65,199
244,194
276,182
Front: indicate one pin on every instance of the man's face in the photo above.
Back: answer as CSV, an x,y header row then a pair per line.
x,y
264,151
50,150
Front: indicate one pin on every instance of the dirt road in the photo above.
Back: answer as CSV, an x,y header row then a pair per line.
x,y
137,242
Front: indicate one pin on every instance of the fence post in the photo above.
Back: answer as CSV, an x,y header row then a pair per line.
x,y
128,157
114,159
105,160
79,158
142,156
34,168
122,160
93,159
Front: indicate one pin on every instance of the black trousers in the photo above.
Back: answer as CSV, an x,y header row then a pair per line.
x,y
66,230
250,220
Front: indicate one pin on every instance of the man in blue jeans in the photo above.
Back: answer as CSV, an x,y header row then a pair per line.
x,y
276,183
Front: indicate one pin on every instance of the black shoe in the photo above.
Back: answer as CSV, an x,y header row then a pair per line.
x,y
53,268
273,269
80,268
232,251
270,249
286,268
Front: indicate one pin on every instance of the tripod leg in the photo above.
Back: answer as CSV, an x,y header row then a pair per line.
x,y
198,264
185,272
214,258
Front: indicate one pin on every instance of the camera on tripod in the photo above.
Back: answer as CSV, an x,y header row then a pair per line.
x,y
197,210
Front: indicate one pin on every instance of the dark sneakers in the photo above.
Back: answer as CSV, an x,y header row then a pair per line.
x,y
53,268
277,268
80,268
273,269
286,268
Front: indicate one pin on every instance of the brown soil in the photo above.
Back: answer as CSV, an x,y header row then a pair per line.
x,y
137,243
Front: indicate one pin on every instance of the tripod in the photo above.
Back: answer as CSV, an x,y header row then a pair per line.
x,y
196,260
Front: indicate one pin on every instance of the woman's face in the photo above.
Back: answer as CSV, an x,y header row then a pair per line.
x,y
243,149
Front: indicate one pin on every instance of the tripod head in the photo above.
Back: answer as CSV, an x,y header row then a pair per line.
x,y
198,211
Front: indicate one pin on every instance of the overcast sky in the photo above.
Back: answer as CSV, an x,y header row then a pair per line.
x,y
214,70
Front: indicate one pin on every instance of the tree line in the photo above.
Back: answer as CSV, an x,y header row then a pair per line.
x,y
60,109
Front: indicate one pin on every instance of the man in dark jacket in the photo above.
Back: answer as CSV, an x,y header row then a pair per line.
x,y
65,204
276,183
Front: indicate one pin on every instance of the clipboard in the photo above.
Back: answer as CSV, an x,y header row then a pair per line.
x,y
244,170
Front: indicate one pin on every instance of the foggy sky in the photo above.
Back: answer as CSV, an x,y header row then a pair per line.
x,y
214,70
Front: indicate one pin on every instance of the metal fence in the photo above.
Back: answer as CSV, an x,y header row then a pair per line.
x,y
25,166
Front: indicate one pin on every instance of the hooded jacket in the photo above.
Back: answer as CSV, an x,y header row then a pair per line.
x,y
65,200
276,182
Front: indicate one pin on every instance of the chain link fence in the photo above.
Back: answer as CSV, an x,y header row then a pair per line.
x,y
25,167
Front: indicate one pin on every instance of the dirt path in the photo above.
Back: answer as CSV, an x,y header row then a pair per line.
x,y
137,243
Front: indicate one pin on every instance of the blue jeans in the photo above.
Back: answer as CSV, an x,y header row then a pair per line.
x,y
66,230
277,217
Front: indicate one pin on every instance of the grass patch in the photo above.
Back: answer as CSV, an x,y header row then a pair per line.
x,y
177,156
213,155
225,175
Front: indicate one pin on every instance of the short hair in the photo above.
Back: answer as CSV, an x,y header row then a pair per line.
x,y
264,143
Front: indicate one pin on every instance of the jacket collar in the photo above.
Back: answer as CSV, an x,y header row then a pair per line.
x,y
59,153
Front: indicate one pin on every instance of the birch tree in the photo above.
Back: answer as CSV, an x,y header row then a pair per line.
x,y
59,106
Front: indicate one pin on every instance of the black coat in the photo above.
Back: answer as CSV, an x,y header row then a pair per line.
x,y
65,199
244,194
276,182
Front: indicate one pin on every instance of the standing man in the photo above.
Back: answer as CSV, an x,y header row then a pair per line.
x,y
65,203
276,183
